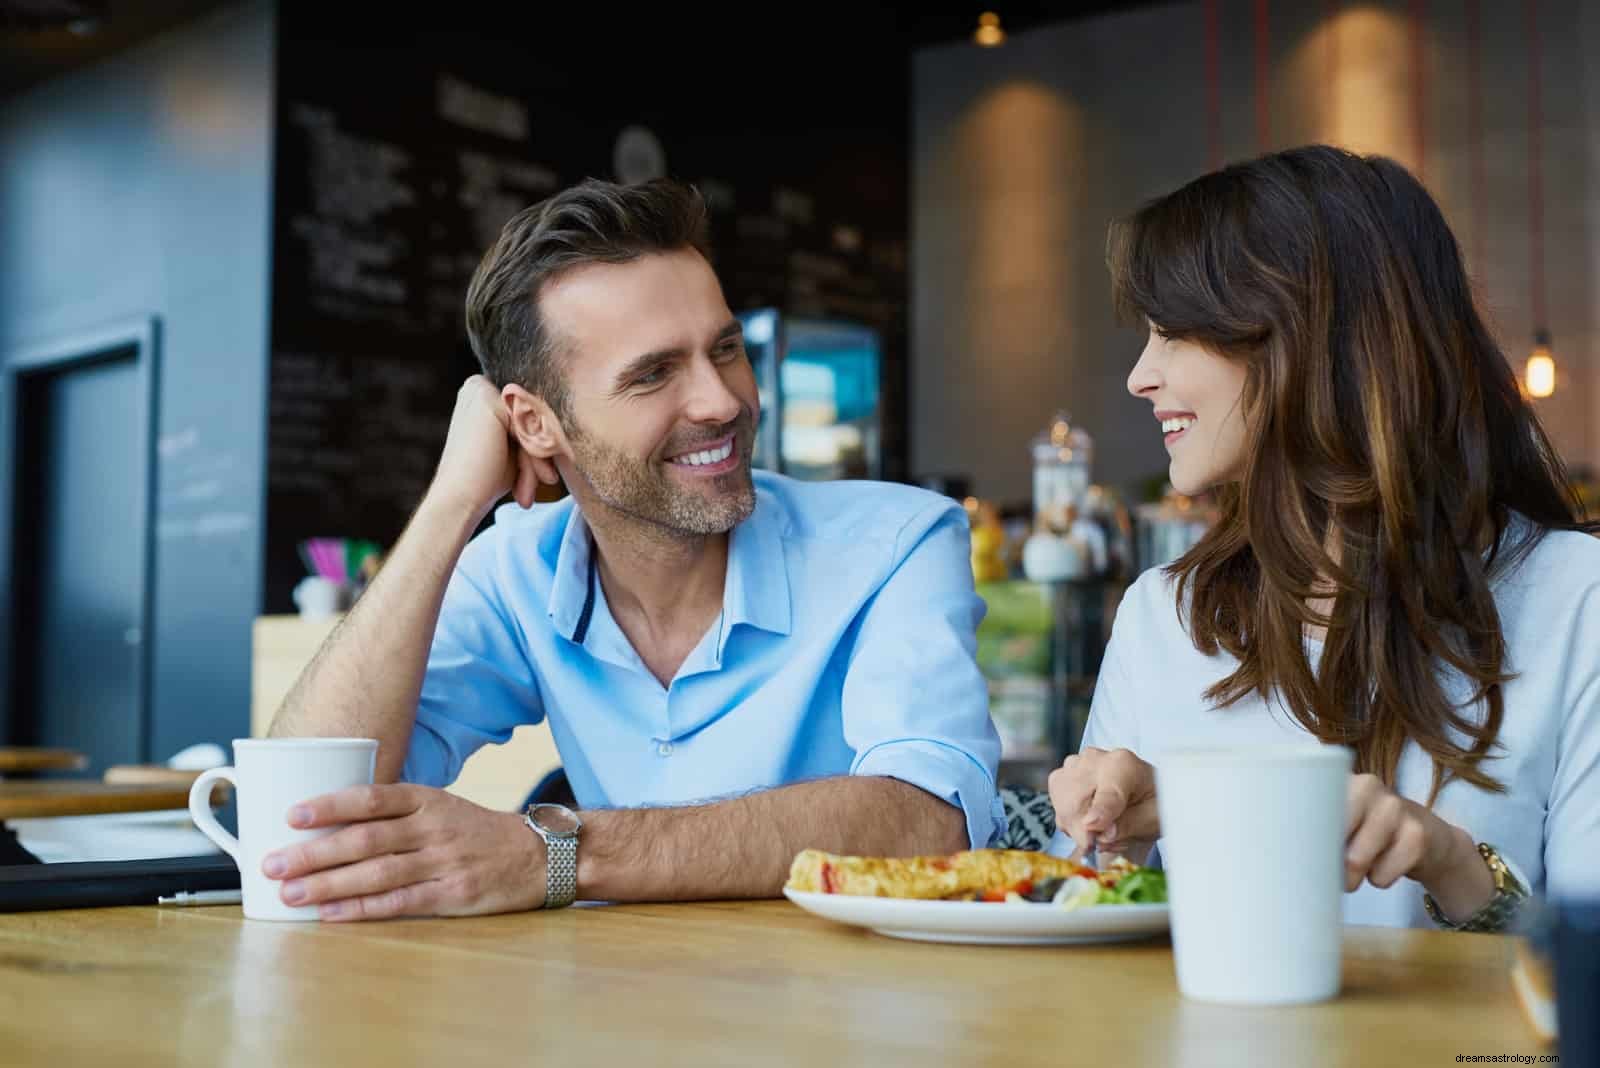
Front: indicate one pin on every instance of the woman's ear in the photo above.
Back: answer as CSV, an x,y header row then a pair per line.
x,y
537,431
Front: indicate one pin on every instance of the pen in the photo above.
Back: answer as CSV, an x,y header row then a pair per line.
x,y
202,897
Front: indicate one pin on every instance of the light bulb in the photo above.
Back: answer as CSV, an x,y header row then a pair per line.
x,y
988,34
1539,376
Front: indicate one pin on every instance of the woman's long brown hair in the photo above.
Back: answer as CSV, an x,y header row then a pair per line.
x,y
1388,451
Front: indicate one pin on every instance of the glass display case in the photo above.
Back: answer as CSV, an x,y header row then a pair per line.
x,y
821,410
1040,646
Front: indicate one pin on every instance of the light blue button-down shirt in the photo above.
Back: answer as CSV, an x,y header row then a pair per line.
x,y
845,646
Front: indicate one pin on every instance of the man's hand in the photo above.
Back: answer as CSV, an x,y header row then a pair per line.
x,y
1107,800
481,461
409,851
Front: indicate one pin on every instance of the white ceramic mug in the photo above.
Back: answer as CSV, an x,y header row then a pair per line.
x,y
271,776
1253,840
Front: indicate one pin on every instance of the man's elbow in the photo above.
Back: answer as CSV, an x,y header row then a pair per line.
x,y
956,834
927,824
944,826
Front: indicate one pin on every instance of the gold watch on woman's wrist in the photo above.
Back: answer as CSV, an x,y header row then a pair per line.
x,y
1496,915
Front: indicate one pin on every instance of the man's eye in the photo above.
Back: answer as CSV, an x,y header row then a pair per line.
x,y
730,352
651,378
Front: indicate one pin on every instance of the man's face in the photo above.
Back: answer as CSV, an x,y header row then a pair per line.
x,y
662,401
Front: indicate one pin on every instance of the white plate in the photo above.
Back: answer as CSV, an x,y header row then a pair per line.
x,y
985,922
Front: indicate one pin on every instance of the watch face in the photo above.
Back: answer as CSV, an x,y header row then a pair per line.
x,y
557,819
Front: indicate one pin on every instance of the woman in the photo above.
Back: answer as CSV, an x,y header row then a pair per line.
x,y
1398,567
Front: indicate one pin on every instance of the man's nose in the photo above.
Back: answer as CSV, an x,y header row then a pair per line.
x,y
710,400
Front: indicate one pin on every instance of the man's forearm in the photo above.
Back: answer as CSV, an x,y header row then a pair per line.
x,y
365,680
743,847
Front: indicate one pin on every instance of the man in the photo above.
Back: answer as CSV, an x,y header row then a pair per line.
x,y
735,667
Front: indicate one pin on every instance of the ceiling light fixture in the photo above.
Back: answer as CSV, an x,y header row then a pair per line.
x,y
989,34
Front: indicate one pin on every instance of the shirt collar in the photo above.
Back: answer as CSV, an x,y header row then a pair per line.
x,y
756,590
572,590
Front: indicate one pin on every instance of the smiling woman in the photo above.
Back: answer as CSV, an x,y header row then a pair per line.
x,y
1397,566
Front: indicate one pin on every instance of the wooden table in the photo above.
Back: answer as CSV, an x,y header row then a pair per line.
x,y
87,797
722,983
14,760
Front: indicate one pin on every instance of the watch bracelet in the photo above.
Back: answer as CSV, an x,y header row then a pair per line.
x,y
1497,913
561,872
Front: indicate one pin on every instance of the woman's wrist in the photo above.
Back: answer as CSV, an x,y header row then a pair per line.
x,y
1459,881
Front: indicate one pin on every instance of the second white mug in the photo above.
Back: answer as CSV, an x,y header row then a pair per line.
x,y
1253,839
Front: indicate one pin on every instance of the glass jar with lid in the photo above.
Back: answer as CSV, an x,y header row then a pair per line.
x,y
1062,455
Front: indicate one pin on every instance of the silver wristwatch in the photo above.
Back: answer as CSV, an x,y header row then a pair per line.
x,y
558,825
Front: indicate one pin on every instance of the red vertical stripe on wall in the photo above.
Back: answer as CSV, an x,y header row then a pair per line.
x,y
1536,167
1213,86
1475,175
1419,87
1263,105
1330,84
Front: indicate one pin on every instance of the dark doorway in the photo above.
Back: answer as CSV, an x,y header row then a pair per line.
x,y
80,559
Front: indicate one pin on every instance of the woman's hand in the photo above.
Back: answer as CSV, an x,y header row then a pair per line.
x,y
1388,837
1106,800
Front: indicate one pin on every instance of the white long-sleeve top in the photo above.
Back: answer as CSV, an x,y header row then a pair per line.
x,y
1149,699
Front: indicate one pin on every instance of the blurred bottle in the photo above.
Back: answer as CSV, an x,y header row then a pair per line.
x,y
1062,455
1064,544
988,541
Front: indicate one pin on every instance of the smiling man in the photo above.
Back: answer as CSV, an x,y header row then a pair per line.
x,y
736,666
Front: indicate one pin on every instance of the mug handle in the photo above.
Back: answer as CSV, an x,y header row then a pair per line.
x,y
200,810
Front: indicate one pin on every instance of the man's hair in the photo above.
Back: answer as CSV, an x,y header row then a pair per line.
x,y
592,222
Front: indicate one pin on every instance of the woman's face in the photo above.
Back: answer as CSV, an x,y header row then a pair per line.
x,y
1198,400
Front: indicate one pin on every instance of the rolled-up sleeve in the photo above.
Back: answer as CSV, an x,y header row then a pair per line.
x,y
479,684
915,704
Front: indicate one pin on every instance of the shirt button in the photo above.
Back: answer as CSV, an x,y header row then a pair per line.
x,y
664,749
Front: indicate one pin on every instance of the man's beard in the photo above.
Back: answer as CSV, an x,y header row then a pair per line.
x,y
640,488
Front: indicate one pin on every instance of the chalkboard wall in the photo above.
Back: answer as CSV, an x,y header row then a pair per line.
x,y
401,150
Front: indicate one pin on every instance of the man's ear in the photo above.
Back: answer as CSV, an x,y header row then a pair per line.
x,y
537,430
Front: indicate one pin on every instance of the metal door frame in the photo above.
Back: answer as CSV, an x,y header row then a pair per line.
x,y
143,335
